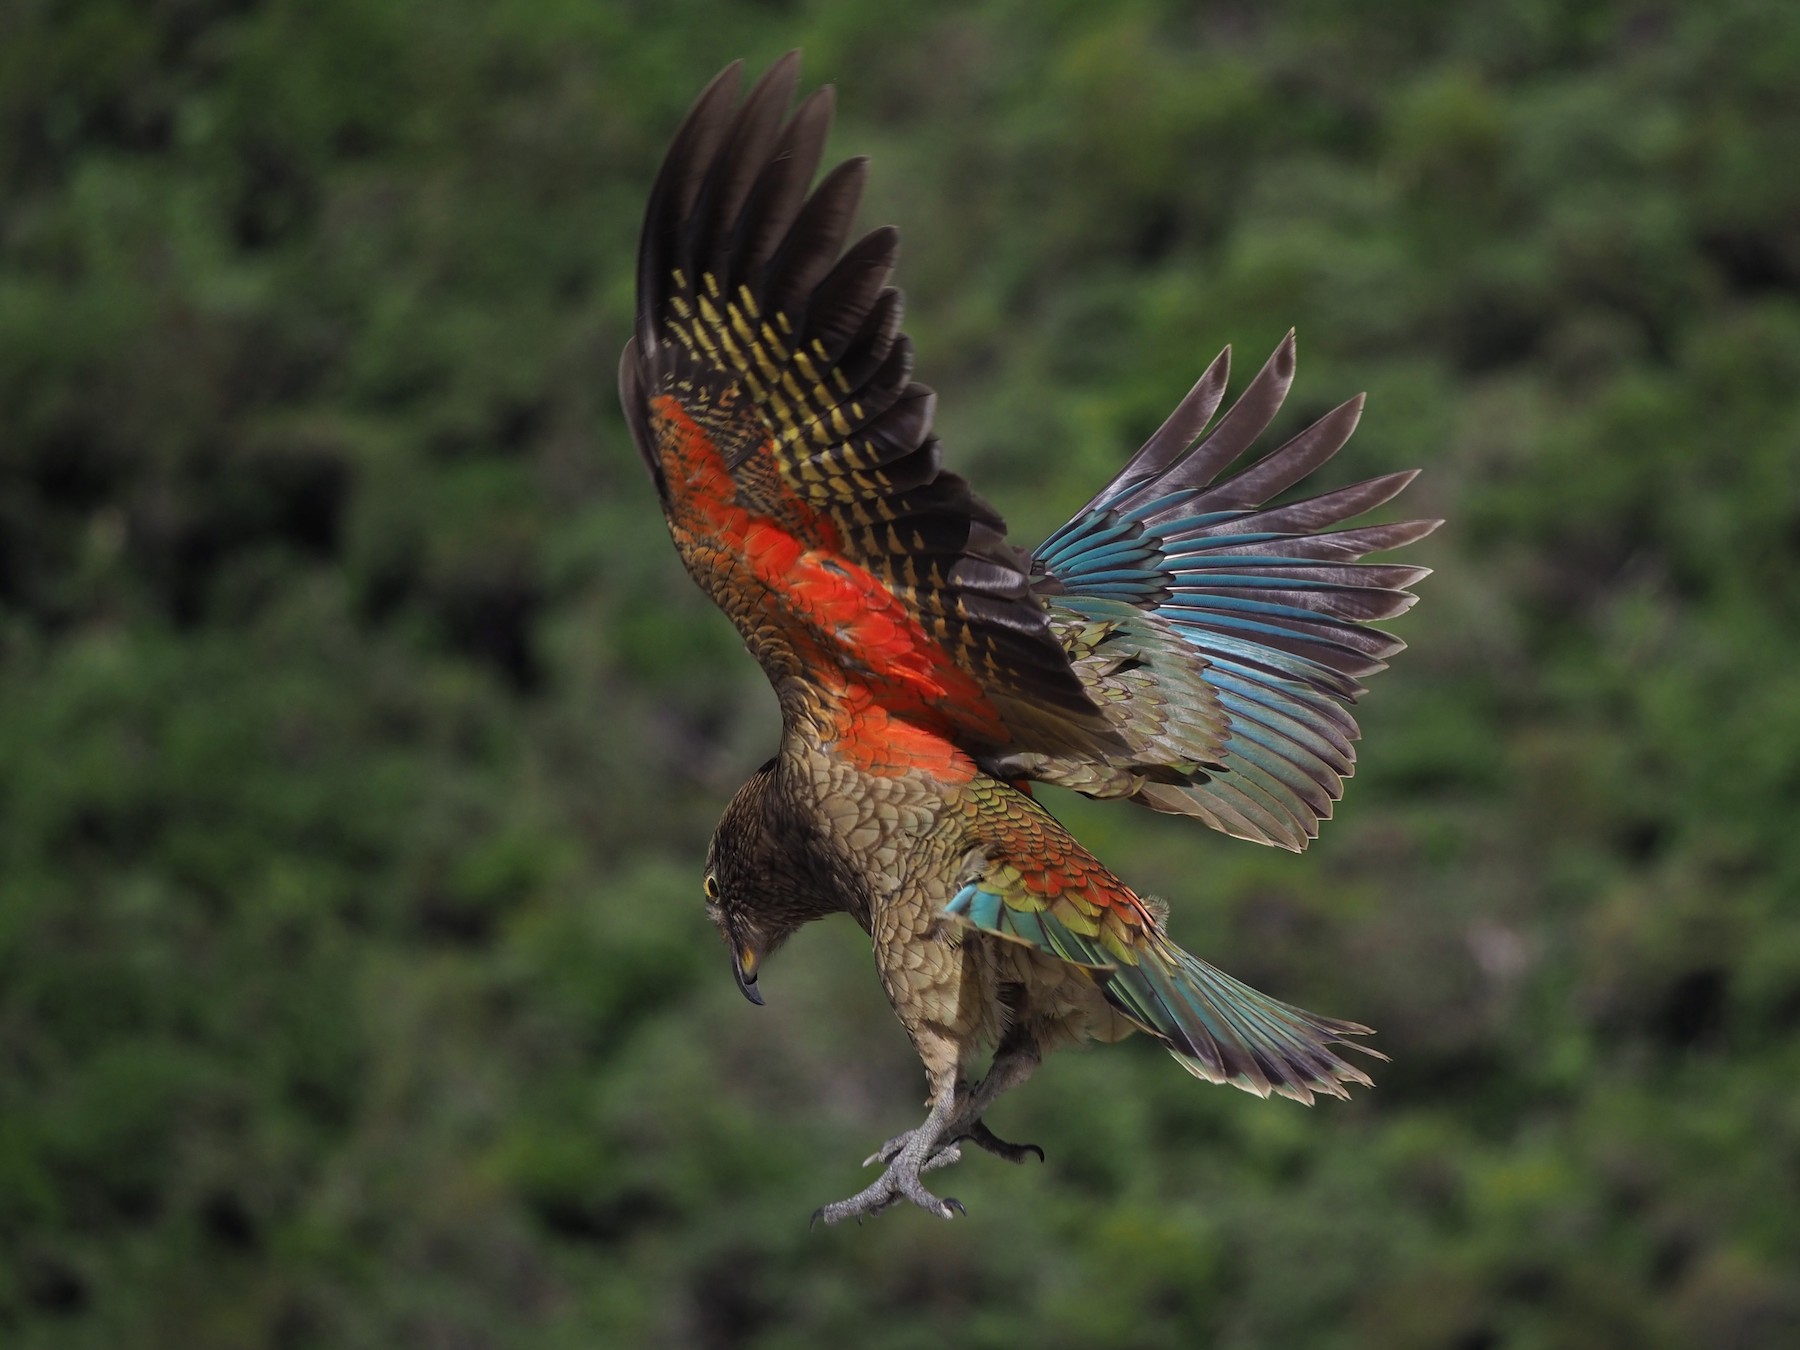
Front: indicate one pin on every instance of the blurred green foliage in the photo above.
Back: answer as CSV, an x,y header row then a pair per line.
x,y
360,735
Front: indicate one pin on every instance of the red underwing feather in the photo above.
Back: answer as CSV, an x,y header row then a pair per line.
x,y
769,391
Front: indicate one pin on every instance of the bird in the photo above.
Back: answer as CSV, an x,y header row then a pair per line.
x,y
1180,643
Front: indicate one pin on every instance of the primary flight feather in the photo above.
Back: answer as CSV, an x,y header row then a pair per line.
x,y
1179,643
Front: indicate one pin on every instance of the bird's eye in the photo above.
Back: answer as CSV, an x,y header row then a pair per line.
x,y
712,887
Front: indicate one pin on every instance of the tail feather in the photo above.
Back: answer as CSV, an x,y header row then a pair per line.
x,y
1222,1030
1030,883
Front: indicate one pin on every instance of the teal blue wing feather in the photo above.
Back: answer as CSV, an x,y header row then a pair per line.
x,y
1271,606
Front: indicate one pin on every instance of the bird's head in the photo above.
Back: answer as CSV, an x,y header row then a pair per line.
x,y
762,880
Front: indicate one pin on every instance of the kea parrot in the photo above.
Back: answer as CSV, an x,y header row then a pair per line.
x,y
1180,643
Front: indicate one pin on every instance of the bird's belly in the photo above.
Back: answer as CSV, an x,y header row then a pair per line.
x,y
933,975
1062,1003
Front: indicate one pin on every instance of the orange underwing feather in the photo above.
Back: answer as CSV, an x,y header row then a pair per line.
x,y
768,387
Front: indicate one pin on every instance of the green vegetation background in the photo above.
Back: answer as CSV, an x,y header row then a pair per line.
x,y
360,735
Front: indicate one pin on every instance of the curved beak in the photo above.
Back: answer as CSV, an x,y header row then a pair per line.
x,y
743,965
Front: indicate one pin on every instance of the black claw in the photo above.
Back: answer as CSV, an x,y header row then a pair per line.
x,y
952,1203
1035,1149
818,1214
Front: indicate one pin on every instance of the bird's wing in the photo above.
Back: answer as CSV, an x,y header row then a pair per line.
x,y
768,388
1231,636
1027,880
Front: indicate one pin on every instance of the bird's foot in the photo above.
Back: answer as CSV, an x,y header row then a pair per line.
x,y
978,1134
899,1182
891,1150
942,1156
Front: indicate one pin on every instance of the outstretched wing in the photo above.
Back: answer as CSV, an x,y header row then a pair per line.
x,y
768,387
1231,637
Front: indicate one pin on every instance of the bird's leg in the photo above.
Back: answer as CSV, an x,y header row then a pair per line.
x,y
1014,1062
918,1151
